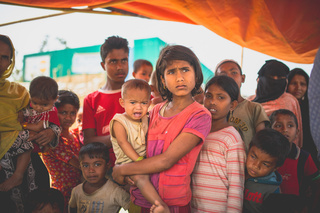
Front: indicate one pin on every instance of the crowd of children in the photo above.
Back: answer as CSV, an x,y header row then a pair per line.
x,y
167,145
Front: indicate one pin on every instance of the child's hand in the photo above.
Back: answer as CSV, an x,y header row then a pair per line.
x,y
129,181
117,176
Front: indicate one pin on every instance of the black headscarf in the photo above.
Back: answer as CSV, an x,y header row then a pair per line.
x,y
269,89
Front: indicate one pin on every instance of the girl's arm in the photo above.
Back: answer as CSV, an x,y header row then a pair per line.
x,y
236,158
182,145
120,134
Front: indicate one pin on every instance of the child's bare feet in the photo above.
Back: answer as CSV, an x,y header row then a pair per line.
x,y
14,180
157,207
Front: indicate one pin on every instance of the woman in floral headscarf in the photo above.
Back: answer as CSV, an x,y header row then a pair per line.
x,y
271,92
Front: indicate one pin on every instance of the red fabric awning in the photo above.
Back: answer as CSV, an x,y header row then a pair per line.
x,y
286,29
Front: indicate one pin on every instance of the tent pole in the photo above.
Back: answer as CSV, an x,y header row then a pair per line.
x,y
241,62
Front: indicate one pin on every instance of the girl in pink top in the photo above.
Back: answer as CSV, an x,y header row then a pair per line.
x,y
218,177
176,132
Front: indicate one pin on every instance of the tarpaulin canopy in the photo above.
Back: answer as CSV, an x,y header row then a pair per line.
x,y
285,29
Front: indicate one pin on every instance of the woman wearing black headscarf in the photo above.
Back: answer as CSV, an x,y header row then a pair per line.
x,y
298,82
271,92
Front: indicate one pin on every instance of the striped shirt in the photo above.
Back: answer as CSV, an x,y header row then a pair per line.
x,y
219,174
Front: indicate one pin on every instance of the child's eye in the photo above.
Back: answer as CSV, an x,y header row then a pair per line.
x,y
266,165
207,95
124,60
73,113
132,102
253,157
144,103
84,165
97,164
185,69
220,97
277,126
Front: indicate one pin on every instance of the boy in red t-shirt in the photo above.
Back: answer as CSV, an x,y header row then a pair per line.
x,y
100,106
299,172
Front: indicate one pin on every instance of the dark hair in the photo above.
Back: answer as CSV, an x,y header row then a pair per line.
x,y
43,87
139,62
113,42
6,40
228,61
177,52
299,71
67,97
272,117
94,150
38,198
273,143
227,84
135,84
153,80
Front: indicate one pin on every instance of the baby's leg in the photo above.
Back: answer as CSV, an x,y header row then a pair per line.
x,y
148,191
17,177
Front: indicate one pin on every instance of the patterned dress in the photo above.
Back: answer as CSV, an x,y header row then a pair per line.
x,y
63,176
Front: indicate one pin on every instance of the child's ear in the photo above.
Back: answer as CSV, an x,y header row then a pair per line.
x,y
102,65
121,102
134,74
234,104
56,99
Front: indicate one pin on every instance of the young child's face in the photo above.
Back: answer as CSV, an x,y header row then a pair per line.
x,y
231,70
5,57
218,102
116,65
93,169
179,78
259,163
135,103
143,73
67,115
42,105
285,125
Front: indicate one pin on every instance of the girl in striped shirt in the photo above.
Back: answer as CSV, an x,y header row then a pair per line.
x,y
218,176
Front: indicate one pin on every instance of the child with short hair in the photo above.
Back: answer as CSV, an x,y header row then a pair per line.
x,y
142,69
45,200
97,193
299,170
248,117
218,176
100,106
41,112
267,152
129,131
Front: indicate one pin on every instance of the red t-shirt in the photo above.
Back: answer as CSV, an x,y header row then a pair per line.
x,y
98,109
290,170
